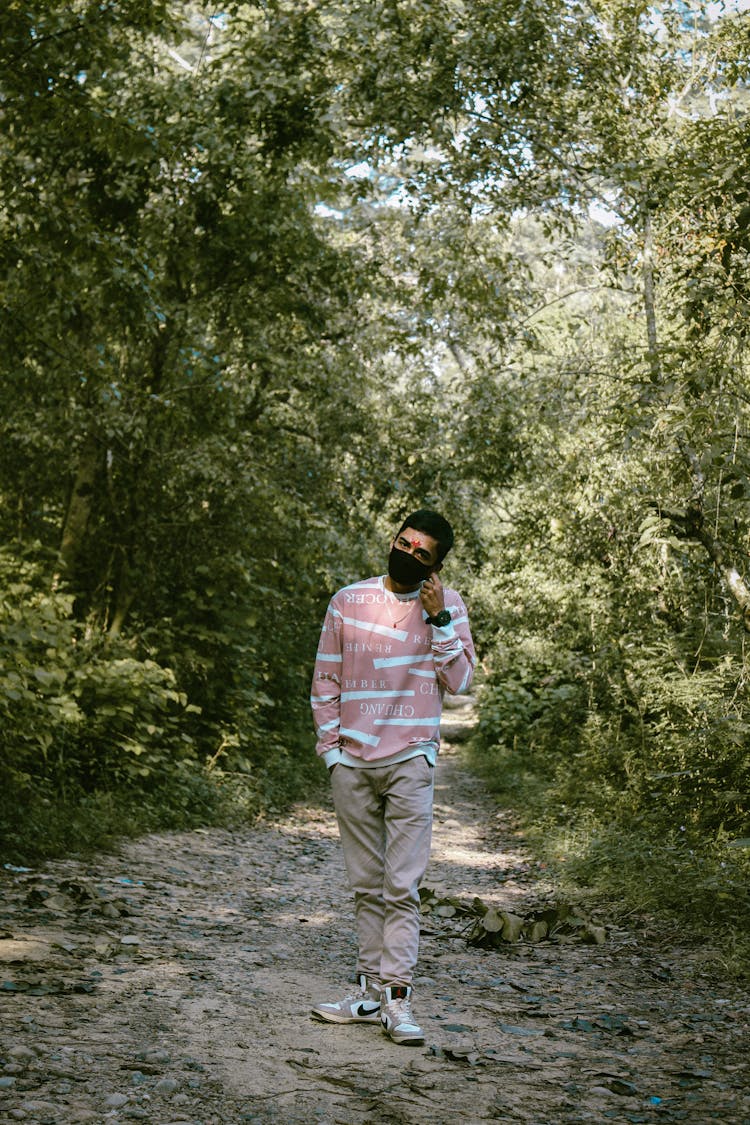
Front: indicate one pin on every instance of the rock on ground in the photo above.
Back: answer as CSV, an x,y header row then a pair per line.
x,y
172,982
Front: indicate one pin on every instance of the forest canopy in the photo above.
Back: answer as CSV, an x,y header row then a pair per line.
x,y
274,274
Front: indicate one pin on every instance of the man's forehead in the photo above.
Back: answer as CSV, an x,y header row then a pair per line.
x,y
419,539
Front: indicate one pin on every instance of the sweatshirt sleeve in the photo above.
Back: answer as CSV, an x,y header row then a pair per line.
x,y
325,697
453,649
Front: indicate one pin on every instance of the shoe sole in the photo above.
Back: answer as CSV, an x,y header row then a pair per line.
x,y
329,1017
403,1040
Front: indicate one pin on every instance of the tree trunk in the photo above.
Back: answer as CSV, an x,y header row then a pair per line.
x,y
734,580
80,504
696,527
649,301
123,599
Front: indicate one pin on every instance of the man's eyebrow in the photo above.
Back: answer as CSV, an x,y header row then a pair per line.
x,y
417,550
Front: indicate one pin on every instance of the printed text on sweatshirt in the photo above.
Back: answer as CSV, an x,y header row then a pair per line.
x,y
381,672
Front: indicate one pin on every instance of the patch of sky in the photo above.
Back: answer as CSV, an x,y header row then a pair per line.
x,y
602,214
711,12
715,11
326,212
360,171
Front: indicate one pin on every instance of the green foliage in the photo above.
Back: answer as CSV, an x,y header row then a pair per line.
x,y
174,372
37,663
269,279
75,713
96,741
615,713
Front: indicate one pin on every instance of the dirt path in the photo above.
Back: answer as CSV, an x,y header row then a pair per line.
x,y
172,983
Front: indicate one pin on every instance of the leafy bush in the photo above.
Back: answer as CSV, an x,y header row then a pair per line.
x,y
97,741
624,749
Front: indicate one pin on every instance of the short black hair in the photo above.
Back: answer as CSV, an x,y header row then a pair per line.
x,y
433,524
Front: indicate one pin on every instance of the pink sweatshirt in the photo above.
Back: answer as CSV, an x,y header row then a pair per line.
x,y
381,672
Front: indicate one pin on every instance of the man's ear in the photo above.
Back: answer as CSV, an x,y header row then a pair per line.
x,y
437,567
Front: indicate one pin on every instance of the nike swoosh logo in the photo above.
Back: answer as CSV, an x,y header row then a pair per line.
x,y
366,1010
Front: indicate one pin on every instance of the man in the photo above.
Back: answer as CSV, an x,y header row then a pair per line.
x,y
389,649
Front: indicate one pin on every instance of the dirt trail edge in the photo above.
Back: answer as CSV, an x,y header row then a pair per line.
x,y
172,982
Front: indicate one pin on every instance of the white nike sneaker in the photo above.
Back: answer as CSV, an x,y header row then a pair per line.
x,y
362,1006
396,1015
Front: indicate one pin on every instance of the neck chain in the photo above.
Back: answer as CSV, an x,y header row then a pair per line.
x,y
396,621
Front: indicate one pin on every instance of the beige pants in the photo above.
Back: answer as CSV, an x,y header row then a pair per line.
x,y
385,823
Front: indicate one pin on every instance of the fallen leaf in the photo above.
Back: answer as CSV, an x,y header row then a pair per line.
x,y
512,927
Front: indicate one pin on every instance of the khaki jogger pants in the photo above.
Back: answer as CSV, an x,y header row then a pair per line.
x,y
384,815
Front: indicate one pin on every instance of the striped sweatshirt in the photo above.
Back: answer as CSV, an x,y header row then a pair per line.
x,y
381,672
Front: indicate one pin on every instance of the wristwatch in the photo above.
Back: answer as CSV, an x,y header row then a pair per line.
x,y
440,619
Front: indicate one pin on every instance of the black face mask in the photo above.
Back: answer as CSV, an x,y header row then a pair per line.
x,y
405,569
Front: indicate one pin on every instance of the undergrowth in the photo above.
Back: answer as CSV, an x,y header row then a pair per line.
x,y
636,865
38,825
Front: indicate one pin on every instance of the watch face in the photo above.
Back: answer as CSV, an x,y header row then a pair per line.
x,y
442,618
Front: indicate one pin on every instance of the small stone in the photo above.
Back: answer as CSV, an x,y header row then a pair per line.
x,y
116,1101
63,1072
166,1086
78,1115
22,1053
622,1086
155,1055
40,1108
7,1083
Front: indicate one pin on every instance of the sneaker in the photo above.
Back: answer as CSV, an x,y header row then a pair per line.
x,y
396,1015
362,1007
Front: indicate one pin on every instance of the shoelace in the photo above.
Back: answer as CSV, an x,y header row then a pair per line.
x,y
401,1010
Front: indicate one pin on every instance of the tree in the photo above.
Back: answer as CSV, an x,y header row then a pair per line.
x,y
620,665
175,366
